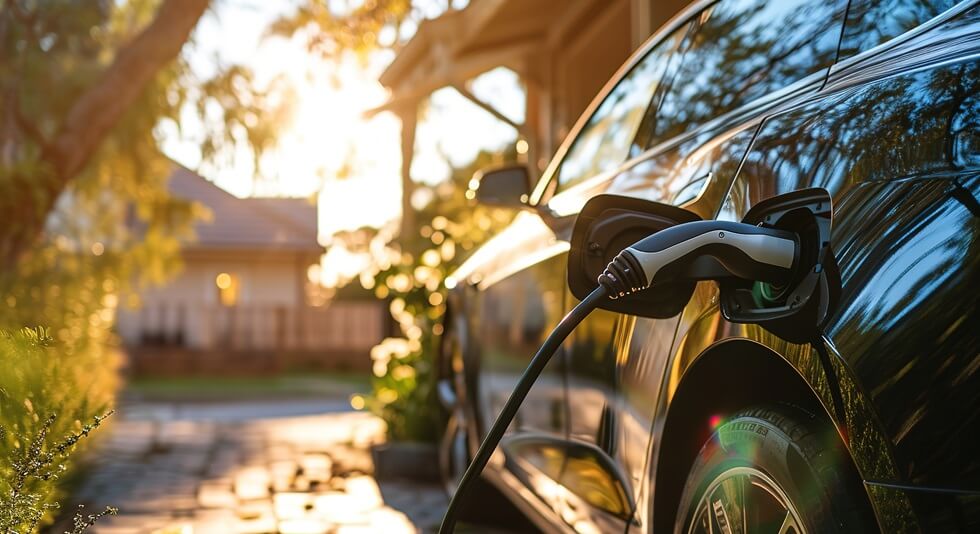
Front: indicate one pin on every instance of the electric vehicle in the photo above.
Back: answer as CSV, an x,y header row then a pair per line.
x,y
682,411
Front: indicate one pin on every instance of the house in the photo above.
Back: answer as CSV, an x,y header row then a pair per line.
x,y
564,51
241,303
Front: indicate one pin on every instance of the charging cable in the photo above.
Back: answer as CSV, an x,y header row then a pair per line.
x,y
676,253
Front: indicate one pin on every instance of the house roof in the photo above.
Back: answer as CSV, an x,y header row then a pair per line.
x,y
246,223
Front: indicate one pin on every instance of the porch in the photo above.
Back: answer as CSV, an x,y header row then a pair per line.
x,y
563,51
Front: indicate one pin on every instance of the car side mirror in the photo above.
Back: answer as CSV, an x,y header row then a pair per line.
x,y
504,187
608,224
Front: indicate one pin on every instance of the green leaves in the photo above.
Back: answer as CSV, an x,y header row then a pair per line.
x,y
35,441
332,28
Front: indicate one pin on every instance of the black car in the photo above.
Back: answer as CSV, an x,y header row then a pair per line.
x,y
687,419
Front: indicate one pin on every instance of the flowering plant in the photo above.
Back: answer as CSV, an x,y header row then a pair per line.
x,y
410,274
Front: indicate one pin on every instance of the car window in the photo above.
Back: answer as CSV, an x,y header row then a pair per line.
x,y
873,22
741,50
604,141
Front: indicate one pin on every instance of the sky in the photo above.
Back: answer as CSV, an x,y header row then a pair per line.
x,y
330,148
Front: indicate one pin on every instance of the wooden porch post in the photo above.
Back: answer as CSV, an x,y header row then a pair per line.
x,y
641,19
408,116
531,130
538,119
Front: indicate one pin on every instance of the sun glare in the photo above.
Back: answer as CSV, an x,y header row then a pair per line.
x,y
329,144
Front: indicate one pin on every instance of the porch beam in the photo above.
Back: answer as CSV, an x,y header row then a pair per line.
x,y
485,106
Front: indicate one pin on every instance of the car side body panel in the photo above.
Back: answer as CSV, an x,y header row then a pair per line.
x,y
894,135
898,156
900,371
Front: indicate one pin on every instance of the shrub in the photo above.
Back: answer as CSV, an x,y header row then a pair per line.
x,y
411,275
40,427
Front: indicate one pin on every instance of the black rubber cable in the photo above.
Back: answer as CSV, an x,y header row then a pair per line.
x,y
538,362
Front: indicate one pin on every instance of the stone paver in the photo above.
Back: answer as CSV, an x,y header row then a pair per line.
x,y
171,470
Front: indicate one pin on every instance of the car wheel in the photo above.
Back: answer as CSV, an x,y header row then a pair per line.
x,y
771,469
454,454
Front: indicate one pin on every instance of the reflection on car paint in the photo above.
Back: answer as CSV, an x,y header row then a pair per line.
x,y
898,146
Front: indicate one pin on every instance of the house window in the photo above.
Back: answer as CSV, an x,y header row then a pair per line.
x,y
229,286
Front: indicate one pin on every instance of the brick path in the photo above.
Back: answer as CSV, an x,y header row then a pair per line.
x,y
211,469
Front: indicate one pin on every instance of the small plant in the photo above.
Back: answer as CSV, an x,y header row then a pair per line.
x,y
33,460
403,389
81,522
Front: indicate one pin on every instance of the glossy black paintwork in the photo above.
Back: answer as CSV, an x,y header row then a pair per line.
x,y
894,135
516,314
907,248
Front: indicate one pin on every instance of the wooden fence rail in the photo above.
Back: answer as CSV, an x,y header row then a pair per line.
x,y
174,339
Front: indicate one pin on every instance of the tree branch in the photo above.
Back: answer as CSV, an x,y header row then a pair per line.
x,y
98,110
28,127
91,119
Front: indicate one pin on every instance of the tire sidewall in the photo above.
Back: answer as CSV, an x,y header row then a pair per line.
x,y
460,419
747,441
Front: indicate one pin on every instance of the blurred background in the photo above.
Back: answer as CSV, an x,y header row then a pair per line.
x,y
226,231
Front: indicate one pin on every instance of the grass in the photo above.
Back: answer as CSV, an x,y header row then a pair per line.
x,y
281,386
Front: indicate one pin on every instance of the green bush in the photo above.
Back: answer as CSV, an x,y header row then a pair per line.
x,y
41,414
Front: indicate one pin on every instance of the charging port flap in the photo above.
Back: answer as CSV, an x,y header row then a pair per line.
x,y
794,310
608,224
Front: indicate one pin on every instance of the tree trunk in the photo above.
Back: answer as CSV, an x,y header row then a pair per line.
x,y
93,116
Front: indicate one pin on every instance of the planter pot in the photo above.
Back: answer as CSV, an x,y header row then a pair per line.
x,y
406,460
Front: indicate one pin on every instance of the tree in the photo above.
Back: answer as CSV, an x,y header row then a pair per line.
x,y
85,211
43,154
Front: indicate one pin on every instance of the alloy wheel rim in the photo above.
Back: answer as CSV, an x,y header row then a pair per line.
x,y
454,451
744,500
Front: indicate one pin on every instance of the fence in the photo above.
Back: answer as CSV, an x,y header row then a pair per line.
x,y
175,339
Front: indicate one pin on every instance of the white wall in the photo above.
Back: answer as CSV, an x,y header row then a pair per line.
x,y
266,281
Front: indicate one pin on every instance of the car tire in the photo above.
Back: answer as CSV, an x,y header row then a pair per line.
x,y
456,441
772,469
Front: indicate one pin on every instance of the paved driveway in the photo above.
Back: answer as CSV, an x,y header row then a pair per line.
x,y
274,466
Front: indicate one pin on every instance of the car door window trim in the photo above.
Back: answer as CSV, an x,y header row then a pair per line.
x,y
760,108
550,174
860,58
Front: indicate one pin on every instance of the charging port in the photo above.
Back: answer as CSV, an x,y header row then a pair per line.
x,y
794,309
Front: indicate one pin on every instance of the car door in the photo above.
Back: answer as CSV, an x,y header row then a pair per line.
x,y
517,296
520,287
588,478
735,60
616,362
898,151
